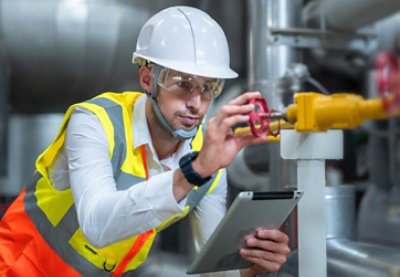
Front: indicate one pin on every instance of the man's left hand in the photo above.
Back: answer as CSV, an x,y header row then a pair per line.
x,y
266,249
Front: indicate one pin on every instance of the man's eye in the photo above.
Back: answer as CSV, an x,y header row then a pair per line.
x,y
207,87
184,84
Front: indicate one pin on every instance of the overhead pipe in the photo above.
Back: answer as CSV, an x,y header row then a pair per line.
x,y
347,15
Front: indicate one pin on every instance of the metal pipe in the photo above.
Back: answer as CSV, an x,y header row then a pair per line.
x,y
340,212
62,52
267,64
348,15
4,104
348,258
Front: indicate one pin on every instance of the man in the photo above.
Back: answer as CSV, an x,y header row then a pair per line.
x,y
125,166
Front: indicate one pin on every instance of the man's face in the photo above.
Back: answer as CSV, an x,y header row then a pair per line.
x,y
182,112
184,99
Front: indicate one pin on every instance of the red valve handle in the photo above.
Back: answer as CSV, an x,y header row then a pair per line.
x,y
259,126
388,80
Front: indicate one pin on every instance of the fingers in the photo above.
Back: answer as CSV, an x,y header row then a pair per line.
x,y
245,97
274,235
250,139
264,261
229,116
269,245
261,266
237,106
264,255
267,249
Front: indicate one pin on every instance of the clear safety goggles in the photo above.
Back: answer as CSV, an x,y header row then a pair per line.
x,y
183,84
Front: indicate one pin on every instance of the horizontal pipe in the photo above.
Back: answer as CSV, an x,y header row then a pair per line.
x,y
348,15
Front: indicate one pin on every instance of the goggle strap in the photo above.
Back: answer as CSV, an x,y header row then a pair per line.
x,y
156,74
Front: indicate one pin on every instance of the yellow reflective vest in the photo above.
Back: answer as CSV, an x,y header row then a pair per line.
x,y
53,211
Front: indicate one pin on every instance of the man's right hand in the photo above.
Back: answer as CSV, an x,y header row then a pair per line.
x,y
220,145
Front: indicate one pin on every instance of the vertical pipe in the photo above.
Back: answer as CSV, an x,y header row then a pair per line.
x,y
267,63
311,213
311,150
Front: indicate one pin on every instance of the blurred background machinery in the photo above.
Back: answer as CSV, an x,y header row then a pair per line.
x,y
57,52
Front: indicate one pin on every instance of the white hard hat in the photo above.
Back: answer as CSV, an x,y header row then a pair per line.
x,y
187,40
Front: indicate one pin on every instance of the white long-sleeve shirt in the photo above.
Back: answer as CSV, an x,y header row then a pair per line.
x,y
107,215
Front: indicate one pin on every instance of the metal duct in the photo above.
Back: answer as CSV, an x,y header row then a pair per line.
x,y
66,51
348,15
62,52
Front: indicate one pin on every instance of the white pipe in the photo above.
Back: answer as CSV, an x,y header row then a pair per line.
x,y
311,218
311,150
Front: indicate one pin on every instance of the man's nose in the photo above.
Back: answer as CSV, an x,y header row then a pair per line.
x,y
194,100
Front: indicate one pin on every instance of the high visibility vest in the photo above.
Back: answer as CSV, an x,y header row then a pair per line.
x,y
48,215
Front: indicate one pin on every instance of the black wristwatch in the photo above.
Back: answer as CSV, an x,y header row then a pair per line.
x,y
185,163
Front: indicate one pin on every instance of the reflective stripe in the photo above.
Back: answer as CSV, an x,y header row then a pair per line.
x,y
144,155
57,237
195,196
140,241
115,114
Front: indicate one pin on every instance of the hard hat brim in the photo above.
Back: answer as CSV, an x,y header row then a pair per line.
x,y
198,69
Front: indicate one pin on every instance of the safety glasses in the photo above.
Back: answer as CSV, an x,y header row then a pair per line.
x,y
183,84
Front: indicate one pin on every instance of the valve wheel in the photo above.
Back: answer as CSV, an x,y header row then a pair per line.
x,y
388,80
259,125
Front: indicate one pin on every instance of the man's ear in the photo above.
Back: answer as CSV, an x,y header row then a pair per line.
x,y
145,79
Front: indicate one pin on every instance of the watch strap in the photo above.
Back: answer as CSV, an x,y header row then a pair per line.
x,y
185,164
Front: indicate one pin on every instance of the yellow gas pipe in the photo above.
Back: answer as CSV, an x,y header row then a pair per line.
x,y
315,112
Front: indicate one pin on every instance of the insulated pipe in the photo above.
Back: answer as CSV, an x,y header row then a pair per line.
x,y
347,15
61,52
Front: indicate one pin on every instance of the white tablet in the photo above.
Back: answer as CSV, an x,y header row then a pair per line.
x,y
248,211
